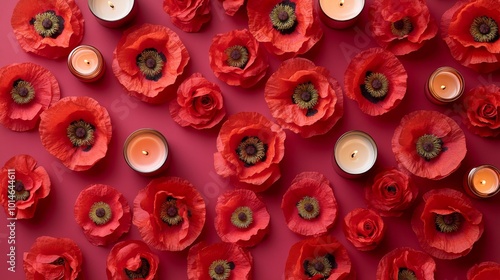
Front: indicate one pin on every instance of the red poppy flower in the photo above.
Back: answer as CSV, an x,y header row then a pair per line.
x,y
376,80
131,259
318,258
232,6
24,185
309,205
286,28
304,97
103,213
446,224
219,261
50,28
391,192
429,144
406,263
76,130
26,90
189,16
241,217
148,60
484,271
482,113
237,59
364,228
199,103
53,258
401,27
470,28
249,150
169,213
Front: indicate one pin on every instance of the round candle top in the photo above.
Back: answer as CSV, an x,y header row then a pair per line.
x,y
485,180
446,85
111,10
85,61
342,10
146,151
355,152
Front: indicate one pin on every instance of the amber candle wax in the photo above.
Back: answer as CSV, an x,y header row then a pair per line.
x,y
86,63
146,151
482,181
445,85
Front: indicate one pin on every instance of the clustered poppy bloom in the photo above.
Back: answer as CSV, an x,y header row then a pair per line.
x,y
406,263
482,113
103,213
249,150
50,28
364,228
484,271
26,90
53,258
376,80
429,144
220,261
131,259
77,131
237,59
304,97
391,192
401,27
309,205
199,103
148,60
189,16
470,28
24,184
286,28
169,213
241,217
232,6
446,224
318,258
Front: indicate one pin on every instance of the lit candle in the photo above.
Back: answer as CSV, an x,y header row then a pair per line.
x,y
355,153
86,63
146,151
445,85
482,181
340,14
113,13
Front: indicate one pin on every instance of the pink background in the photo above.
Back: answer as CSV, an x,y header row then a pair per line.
x,y
192,150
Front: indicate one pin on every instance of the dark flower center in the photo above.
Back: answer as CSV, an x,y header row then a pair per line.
x,y
429,146
58,261
369,227
18,186
375,87
306,97
484,30
206,100
21,194
151,63
169,212
406,274
391,189
242,217
283,17
81,133
448,223
141,273
488,111
308,208
323,266
100,213
401,27
22,92
237,56
48,24
220,269
251,150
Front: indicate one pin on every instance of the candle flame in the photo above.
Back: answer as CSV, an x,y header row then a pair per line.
x,y
341,3
354,153
145,153
86,61
443,87
483,182
111,4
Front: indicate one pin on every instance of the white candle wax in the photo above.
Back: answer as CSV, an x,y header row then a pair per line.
x,y
146,151
485,180
355,152
446,85
341,10
111,10
85,61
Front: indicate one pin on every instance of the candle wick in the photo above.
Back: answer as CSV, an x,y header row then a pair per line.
x,y
483,182
353,155
145,153
111,4
86,61
443,87
341,3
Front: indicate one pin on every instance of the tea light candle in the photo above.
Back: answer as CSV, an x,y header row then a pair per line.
x,y
340,14
445,85
113,13
146,151
482,181
86,63
355,153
